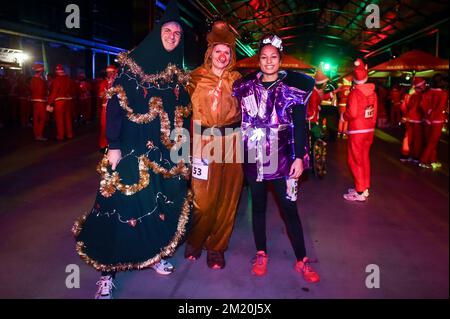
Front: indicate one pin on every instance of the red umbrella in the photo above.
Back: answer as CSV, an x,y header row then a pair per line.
x,y
288,62
414,60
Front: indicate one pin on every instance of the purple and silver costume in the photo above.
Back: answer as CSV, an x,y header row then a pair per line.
x,y
268,124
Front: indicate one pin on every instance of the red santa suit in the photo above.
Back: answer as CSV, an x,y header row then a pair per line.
x,y
382,115
396,101
313,107
39,99
434,104
361,115
405,141
61,97
342,96
103,86
414,119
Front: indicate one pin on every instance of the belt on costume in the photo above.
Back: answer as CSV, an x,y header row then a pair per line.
x,y
222,129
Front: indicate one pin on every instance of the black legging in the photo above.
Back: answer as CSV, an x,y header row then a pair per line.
x,y
288,209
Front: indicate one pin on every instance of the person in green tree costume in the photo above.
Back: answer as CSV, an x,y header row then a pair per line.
x,y
143,203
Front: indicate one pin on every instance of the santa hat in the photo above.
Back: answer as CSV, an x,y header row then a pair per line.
x,y
418,81
221,34
60,70
320,77
111,68
360,73
37,67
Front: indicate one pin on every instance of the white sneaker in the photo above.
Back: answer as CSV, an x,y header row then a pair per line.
x,y
105,287
365,193
355,197
163,267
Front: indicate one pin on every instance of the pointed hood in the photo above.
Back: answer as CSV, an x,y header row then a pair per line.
x,y
150,54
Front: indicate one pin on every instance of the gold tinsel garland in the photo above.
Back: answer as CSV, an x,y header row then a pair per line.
x,y
166,251
162,78
110,182
155,108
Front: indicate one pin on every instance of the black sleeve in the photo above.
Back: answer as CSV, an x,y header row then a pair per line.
x,y
300,138
114,115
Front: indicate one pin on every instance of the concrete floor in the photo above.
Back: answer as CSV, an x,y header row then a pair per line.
x,y
403,228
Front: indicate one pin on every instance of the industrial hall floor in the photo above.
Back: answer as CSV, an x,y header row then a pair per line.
x,y
403,229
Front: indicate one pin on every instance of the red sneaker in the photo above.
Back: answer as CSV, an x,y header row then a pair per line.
x,y
304,267
260,264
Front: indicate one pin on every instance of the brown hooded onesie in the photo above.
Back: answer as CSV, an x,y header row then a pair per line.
x,y
215,199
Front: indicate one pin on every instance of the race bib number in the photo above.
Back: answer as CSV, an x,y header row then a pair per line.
x,y
200,169
250,105
369,111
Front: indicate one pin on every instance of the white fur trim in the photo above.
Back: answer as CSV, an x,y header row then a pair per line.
x,y
361,81
368,130
419,84
321,81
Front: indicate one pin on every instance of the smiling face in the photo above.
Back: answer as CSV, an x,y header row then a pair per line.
x,y
220,56
269,60
171,33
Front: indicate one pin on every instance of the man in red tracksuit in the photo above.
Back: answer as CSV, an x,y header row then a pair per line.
x,y
434,104
317,95
111,72
414,118
61,97
361,115
39,99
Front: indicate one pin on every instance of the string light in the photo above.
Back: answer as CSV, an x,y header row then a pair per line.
x,y
165,251
132,221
